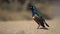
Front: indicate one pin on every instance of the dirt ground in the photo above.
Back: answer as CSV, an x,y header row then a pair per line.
x,y
29,27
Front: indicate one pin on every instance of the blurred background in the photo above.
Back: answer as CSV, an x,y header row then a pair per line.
x,y
19,9
16,16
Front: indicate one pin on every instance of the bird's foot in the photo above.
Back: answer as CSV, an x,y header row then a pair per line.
x,y
38,28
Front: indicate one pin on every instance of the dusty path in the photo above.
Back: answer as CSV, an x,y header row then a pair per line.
x,y
29,27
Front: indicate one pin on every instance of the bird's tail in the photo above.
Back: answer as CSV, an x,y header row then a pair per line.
x,y
46,24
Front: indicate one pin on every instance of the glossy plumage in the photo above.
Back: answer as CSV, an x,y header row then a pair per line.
x,y
37,17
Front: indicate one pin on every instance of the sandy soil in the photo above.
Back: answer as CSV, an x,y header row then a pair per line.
x,y
29,27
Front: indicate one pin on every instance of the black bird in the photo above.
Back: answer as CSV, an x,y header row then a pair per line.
x,y
38,17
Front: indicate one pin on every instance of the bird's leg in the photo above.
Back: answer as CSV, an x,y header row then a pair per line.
x,y
38,26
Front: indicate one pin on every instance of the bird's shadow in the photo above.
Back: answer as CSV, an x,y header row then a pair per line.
x,y
43,28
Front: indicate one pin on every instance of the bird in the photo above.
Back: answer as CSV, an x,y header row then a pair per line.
x,y
38,18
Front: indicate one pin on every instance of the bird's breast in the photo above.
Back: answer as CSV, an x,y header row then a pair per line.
x,y
35,19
